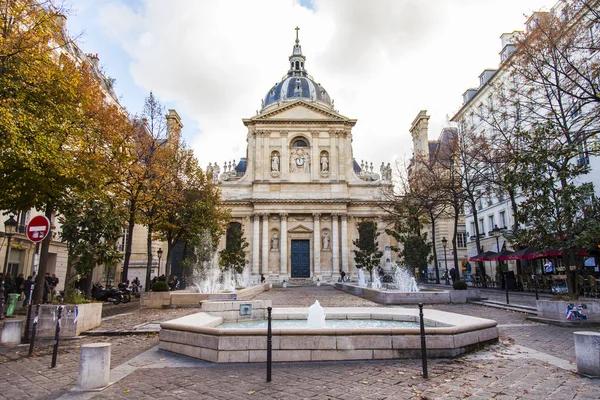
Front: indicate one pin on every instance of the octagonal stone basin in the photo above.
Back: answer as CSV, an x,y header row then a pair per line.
x,y
427,296
448,335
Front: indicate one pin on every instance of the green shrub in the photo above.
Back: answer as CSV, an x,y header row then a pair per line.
x,y
460,285
160,286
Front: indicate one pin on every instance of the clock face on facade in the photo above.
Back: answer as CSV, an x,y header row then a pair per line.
x,y
299,161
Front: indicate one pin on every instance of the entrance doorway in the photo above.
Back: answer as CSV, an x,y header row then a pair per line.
x,y
300,258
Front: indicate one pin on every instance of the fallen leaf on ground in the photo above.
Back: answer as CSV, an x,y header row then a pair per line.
x,y
252,392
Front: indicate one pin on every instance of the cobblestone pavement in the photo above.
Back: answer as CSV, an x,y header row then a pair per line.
x,y
509,370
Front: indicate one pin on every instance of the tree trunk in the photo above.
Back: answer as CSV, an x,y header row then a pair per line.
x,y
131,225
149,254
433,249
457,268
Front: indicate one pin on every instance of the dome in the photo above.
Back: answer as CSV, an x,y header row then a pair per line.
x,y
297,84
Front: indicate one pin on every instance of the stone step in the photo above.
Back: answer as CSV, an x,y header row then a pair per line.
x,y
301,282
504,306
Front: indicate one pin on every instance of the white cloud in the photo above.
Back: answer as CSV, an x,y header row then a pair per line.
x,y
382,61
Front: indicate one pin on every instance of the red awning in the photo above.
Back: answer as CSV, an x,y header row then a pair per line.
x,y
485,256
519,255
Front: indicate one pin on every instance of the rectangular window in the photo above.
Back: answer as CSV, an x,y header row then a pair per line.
x,y
503,219
481,227
461,239
473,230
491,221
124,240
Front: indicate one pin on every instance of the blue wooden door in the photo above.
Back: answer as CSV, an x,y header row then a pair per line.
x,y
300,259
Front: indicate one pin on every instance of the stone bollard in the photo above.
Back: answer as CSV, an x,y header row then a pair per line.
x,y
11,333
94,366
587,353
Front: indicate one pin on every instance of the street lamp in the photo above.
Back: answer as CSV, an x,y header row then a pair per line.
x,y
444,244
10,228
496,232
159,252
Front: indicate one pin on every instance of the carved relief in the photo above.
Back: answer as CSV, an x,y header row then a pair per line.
x,y
299,160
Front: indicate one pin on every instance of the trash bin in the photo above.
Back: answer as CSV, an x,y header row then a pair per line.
x,y
12,303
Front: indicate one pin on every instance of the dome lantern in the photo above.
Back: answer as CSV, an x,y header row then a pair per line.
x,y
297,84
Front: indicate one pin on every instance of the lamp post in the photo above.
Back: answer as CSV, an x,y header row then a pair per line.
x,y
444,244
10,228
159,252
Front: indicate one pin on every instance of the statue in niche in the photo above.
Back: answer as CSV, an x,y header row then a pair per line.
x,y
275,242
325,240
324,163
275,163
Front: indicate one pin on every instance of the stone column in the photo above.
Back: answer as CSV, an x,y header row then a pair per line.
x,y
335,244
283,245
265,245
316,244
345,242
255,244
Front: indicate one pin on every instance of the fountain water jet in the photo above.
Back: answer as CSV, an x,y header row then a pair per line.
x,y
403,279
316,316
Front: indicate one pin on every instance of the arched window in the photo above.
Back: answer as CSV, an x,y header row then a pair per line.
x,y
299,143
234,229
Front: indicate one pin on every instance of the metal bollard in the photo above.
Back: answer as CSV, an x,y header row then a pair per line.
x,y
56,334
34,328
269,343
423,345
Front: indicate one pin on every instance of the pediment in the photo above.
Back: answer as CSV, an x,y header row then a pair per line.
x,y
300,229
300,110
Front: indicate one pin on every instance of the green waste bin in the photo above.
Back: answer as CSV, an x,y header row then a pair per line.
x,y
12,303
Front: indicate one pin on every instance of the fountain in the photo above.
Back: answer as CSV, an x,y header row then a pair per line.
x,y
316,316
404,290
206,283
403,279
211,279
376,283
361,278
208,335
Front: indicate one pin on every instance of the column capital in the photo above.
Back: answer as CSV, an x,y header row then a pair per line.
x,y
264,215
344,216
283,215
335,215
317,215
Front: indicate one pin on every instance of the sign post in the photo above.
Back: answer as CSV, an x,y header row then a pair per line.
x,y
37,230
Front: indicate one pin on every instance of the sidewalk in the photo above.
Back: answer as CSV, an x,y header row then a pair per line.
x,y
533,361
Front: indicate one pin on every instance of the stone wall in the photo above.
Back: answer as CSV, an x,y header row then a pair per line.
x,y
89,316
557,310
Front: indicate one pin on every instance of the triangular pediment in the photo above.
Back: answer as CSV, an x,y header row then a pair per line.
x,y
300,229
300,110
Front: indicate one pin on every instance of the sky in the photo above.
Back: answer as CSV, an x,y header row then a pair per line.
x,y
382,61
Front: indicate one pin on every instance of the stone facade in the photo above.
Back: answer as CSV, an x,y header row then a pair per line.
x,y
299,194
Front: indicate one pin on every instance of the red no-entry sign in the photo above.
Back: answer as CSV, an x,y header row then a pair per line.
x,y
38,228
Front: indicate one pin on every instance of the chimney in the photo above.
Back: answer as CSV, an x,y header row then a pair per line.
x,y
174,127
94,60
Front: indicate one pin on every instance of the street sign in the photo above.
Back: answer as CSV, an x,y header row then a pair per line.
x,y
38,228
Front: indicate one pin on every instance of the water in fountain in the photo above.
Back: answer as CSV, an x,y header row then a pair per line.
x,y
361,278
404,280
210,279
316,316
376,283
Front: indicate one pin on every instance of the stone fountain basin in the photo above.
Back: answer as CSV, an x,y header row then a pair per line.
x,y
427,296
448,335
